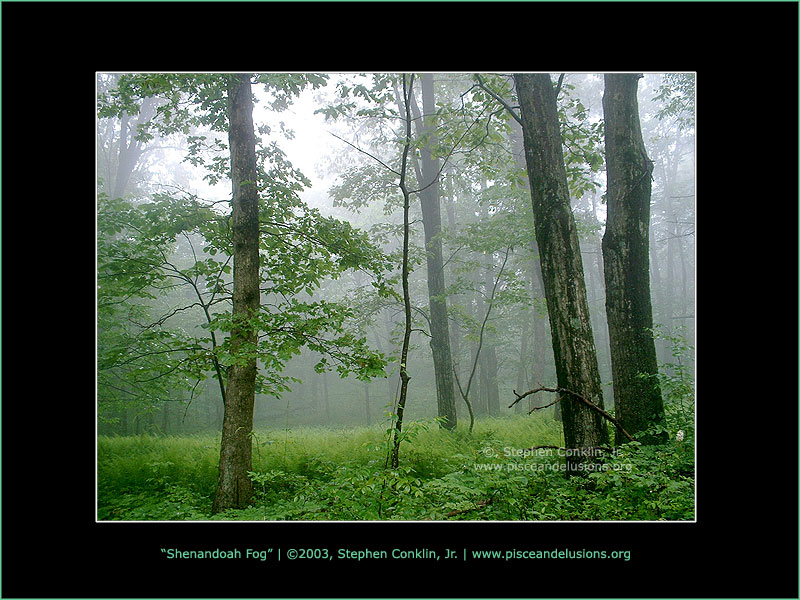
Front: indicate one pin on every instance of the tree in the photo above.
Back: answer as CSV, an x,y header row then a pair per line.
x,y
120,149
428,179
562,268
234,488
626,251
408,85
282,250
364,184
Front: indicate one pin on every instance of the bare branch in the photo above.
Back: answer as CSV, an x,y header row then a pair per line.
x,y
591,405
465,395
373,157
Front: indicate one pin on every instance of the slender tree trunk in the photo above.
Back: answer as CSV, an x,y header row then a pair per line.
x,y
366,404
455,328
432,224
562,267
482,407
234,488
479,400
492,389
626,249
325,397
130,149
314,377
404,376
522,369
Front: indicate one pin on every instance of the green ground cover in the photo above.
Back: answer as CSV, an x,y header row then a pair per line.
x,y
340,474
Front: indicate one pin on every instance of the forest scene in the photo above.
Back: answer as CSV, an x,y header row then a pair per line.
x,y
395,296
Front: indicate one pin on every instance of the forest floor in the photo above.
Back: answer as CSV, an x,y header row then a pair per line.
x,y
340,474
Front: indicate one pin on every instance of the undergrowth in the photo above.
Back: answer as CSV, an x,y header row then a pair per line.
x,y
341,474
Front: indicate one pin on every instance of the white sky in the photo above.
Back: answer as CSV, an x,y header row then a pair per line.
x,y
306,151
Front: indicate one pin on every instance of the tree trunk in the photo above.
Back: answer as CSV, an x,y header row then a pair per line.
x,y
130,149
165,419
492,389
325,397
234,488
366,404
313,376
562,267
432,224
541,357
394,457
626,250
478,309
522,369
455,328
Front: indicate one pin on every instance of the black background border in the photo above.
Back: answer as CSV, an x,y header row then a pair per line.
x,y
744,543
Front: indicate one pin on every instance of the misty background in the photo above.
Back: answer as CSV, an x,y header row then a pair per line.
x,y
516,352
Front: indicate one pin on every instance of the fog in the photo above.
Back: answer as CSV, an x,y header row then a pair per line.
x,y
342,160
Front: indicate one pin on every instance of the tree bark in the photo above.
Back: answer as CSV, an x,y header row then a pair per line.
x,y
394,457
432,224
492,389
626,256
455,328
522,369
541,358
325,397
366,404
130,149
562,267
234,488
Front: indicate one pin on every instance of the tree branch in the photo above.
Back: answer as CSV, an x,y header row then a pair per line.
x,y
591,405
560,81
373,157
465,394
506,105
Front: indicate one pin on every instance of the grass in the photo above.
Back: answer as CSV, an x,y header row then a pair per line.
x,y
339,474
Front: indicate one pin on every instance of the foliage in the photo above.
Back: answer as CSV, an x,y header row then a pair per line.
x,y
676,93
323,474
582,139
153,255
676,381
164,288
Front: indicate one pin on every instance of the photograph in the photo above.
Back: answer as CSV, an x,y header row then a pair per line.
x,y
415,297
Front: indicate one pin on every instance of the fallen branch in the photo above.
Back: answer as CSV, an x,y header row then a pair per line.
x,y
591,405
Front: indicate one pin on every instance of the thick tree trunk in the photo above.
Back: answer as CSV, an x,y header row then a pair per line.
x,y
626,250
542,357
562,267
234,488
432,224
